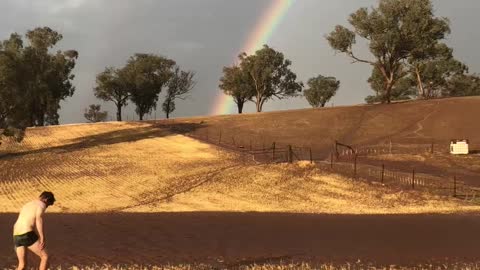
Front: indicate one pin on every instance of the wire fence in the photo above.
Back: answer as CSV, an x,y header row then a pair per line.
x,y
344,161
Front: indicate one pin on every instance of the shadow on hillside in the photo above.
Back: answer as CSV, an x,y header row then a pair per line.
x,y
229,239
112,137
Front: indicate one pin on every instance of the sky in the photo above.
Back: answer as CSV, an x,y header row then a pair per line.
x,y
206,35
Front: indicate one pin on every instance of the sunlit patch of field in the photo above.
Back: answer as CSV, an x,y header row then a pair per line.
x,y
140,168
398,157
104,167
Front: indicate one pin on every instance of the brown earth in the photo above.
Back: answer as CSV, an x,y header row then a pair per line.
x,y
412,124
226,239
137,193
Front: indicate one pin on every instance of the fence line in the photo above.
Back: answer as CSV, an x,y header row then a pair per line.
x,y
262,152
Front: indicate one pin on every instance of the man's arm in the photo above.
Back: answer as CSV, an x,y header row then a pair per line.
x,y
39,225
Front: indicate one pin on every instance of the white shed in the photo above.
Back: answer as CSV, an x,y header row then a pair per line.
x,y
459,147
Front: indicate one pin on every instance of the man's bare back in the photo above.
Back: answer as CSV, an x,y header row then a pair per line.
x,y
27,217
28,231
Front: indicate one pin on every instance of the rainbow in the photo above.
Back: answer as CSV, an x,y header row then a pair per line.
x,y
262,32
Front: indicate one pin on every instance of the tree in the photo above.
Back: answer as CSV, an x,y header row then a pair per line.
x,y
33,81
321,90
144,76
94,114
179,86
395,31
49,75
111,87
463,85
271,75
14,114
238,84
404,89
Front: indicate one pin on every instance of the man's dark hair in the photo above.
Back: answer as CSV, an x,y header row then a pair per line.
x,y
48,197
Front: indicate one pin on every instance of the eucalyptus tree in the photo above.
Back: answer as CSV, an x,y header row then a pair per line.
x,y
145,75
178,87
395,31
110,86
270,75
238,84
320,90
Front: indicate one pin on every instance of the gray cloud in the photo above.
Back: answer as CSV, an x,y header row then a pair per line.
x,y
205,35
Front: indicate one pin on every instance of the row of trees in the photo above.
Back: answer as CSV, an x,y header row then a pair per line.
x,y
33,80
408,60
141,81
266,75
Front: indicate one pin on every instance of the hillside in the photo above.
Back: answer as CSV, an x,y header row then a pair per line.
x,y
411,122
143,168
136,194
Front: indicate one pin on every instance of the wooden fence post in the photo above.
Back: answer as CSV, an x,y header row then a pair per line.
x,y
331,160
220,138
290,154
383,172
413,179
311,157
355,168
273,151
454,186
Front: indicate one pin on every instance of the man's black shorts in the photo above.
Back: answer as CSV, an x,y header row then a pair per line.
x,y
25,240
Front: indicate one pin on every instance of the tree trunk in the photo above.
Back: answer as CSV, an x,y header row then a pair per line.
x,y
240,106
167,114
259,103
119,112
140,115
421,90
388,92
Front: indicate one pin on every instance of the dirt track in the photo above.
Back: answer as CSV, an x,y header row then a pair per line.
x,y
229,239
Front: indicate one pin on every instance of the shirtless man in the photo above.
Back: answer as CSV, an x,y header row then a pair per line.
x,y
28,230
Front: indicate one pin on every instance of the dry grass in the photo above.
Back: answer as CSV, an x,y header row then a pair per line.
x,y
398,157
139,168
291,266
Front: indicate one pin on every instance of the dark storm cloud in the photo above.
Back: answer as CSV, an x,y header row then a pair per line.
x,y
205,35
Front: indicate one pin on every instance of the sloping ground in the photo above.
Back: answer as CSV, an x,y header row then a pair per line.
x,y
136,194
142,168
413,122
412,125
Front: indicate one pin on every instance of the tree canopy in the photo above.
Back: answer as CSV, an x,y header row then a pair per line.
x,y
396,31
238,84
112,87
320,90
271,75
179,85
144,76
33,80
94,114
260,77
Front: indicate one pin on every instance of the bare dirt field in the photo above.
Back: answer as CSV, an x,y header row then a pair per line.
x,y
134,193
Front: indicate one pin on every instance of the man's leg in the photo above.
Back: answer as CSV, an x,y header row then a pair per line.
x,y
42,253
22,257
